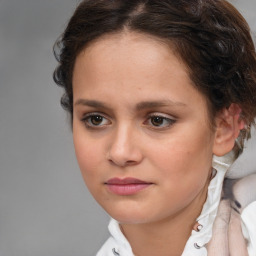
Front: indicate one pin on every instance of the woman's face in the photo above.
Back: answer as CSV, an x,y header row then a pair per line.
x,y
141,130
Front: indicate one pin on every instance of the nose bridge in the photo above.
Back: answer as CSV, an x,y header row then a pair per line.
x,y
123,147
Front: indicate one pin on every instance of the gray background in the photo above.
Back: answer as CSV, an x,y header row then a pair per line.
x,y
45,208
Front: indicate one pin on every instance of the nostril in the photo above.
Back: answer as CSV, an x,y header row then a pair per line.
x,y
130,162
122,163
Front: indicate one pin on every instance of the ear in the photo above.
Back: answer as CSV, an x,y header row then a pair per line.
x,y
228,126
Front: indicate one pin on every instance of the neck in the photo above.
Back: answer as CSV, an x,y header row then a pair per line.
x,y
167,237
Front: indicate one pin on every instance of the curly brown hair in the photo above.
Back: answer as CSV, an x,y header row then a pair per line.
x,y
210,36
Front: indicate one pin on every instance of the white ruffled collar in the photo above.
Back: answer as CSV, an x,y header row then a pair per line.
x,y
198,240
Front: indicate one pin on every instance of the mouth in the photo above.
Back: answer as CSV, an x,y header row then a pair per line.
x,y
126,186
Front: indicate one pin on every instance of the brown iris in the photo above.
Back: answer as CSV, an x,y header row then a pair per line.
x,y
96,120
157,120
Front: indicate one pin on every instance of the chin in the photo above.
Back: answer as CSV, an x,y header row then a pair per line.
x,y
126,216
131,221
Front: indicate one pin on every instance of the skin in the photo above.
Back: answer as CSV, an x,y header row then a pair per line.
x,y
112,79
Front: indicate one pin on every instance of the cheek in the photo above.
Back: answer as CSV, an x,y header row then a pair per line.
x,y
88,155
185,161
184,155
88,162
185,171
183,179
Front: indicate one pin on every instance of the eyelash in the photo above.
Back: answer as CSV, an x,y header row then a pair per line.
x,y
87,120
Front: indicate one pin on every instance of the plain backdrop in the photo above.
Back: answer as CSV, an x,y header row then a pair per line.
x,y
45,208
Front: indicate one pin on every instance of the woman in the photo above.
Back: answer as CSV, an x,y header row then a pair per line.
x,y
159,92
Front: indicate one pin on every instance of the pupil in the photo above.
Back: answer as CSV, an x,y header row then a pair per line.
x,y
96,120
157,121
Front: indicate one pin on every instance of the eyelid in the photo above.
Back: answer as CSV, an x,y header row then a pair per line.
x,y
163,115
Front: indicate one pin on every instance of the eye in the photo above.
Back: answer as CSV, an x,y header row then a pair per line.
x,y
159,121
95,120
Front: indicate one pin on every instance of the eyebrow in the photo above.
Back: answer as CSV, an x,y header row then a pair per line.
x,y
91,103
140,106
156,104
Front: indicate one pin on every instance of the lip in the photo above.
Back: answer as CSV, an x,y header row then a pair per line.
x,y
126,186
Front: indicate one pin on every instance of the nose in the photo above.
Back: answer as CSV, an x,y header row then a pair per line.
x,y
125,148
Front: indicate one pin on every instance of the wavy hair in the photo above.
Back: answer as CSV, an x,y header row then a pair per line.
x,y
210,36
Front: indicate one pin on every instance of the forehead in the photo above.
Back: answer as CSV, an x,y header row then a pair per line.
x,y
129,55
134,66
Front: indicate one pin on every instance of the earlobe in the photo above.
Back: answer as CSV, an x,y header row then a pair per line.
x,y
228,126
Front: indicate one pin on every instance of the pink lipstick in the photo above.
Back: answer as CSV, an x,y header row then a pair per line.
x,y
126,186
